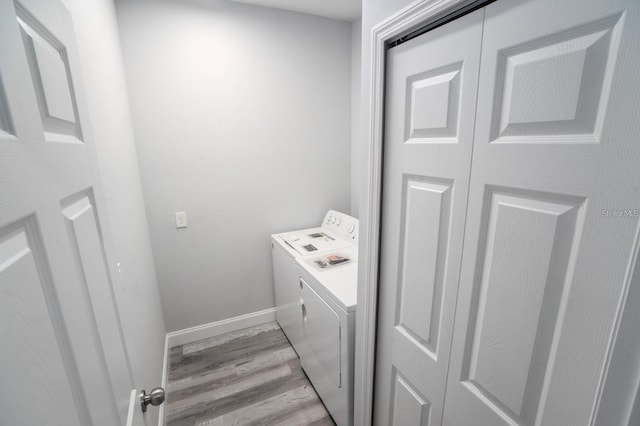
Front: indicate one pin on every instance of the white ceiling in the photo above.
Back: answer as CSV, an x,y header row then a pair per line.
x,y
345,10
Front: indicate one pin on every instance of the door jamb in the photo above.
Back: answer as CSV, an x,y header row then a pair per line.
x,y
405,21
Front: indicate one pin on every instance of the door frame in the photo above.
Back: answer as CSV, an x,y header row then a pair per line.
x,y
418,14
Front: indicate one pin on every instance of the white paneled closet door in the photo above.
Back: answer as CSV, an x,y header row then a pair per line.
x,y
430,104
548,247
550,225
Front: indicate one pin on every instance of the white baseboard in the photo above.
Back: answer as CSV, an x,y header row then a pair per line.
x,y
205,331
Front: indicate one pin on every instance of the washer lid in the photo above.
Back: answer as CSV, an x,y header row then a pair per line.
x,y
309,243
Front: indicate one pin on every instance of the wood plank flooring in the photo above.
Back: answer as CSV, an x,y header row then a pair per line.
x,y
246,377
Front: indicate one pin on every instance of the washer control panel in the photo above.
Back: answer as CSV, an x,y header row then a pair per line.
x,y
343,225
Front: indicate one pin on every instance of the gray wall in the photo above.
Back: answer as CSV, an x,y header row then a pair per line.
x,y
242,119
135,289
356,121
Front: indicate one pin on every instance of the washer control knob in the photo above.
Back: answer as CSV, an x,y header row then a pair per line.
x,y
352,228
339,222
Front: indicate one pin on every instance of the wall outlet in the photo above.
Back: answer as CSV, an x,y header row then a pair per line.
x,y
181,220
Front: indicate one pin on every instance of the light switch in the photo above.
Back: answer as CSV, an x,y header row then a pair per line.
x,y
181,219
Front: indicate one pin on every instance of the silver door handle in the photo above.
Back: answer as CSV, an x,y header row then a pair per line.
x,y
155,397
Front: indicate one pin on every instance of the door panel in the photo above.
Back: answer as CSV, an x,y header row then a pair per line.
x,y
51,77
92,268
433,99
34,344
527,244
554,88
544,266
426,231
409,408
431,91
68,362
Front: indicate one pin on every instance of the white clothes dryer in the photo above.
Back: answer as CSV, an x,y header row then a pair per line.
x,y
315,278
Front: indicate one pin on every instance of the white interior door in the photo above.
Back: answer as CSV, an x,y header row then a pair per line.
x,y
431,88
552,217
62,351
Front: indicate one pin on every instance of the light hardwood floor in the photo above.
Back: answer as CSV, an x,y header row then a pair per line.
x,y
247,377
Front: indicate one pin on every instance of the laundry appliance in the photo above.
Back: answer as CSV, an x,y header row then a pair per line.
x,y
315,278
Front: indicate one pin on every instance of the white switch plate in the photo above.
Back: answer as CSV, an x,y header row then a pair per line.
x,y
181,219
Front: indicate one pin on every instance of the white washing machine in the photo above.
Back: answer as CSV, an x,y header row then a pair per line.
x,y
315,277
